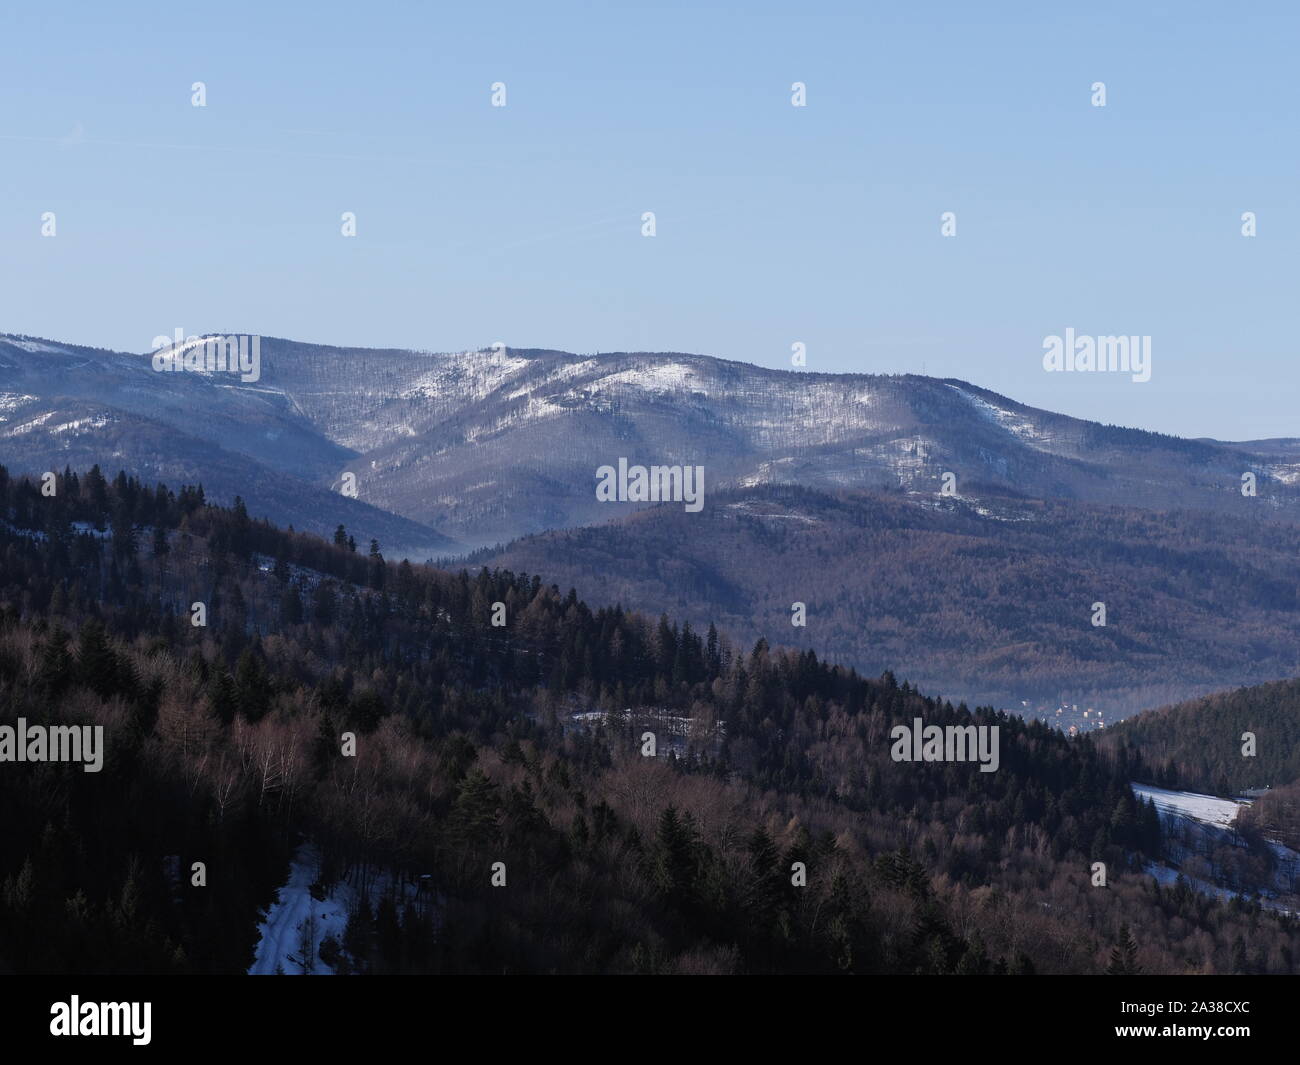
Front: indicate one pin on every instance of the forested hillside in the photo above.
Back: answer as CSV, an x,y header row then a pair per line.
x,y
1201,745
225,744
1275,815
989,598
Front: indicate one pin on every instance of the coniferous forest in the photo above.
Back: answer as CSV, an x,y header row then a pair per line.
x,y
985,598
1197,744
376,711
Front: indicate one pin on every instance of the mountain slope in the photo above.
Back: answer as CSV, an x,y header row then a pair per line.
x,y
989,601
478,744
1227,744
490,445
1198,744
64,406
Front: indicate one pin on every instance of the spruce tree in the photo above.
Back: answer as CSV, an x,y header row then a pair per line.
x,y
1123,956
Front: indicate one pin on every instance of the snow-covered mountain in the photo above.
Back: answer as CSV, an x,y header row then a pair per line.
x,y
482,447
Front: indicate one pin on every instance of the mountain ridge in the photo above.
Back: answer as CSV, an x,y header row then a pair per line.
x,y
990,599
479,448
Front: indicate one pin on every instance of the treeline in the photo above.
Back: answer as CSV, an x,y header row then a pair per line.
x,y
784,838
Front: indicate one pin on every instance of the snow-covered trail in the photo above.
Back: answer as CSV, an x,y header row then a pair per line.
x,y
282,928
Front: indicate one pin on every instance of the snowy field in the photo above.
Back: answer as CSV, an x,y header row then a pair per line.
x,y
1207,809
1210,817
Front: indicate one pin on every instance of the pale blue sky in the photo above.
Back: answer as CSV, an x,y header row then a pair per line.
x,y
775,224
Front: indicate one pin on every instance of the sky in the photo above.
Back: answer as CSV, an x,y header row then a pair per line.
x,y
774,224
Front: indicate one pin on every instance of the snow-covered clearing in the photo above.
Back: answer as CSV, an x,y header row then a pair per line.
x,y
1207,809
1198,829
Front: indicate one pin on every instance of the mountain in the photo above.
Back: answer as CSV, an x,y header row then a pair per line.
x,y
483,447
989,601
67,406
820,489
378,713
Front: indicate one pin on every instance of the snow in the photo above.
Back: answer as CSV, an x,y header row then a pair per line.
x,y
750,508
473,375
564,373
1204,821
662,377
766,473
908,455
985,512
675,733
11,401
177,351
1287,474
97,422
184,345
1168,877
282,929
27,427
1016,424
35,346
283,926
1207,809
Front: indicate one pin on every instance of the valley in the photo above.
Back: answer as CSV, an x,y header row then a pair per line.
x,y
929,526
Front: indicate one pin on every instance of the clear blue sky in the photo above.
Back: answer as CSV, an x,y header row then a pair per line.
x,y
775,224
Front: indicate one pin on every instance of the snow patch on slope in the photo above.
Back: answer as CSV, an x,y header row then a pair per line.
x,y
36,347
1207,809
564,373
80,425
27,427
1287,474
1016,424
471,376
658,377
11,401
